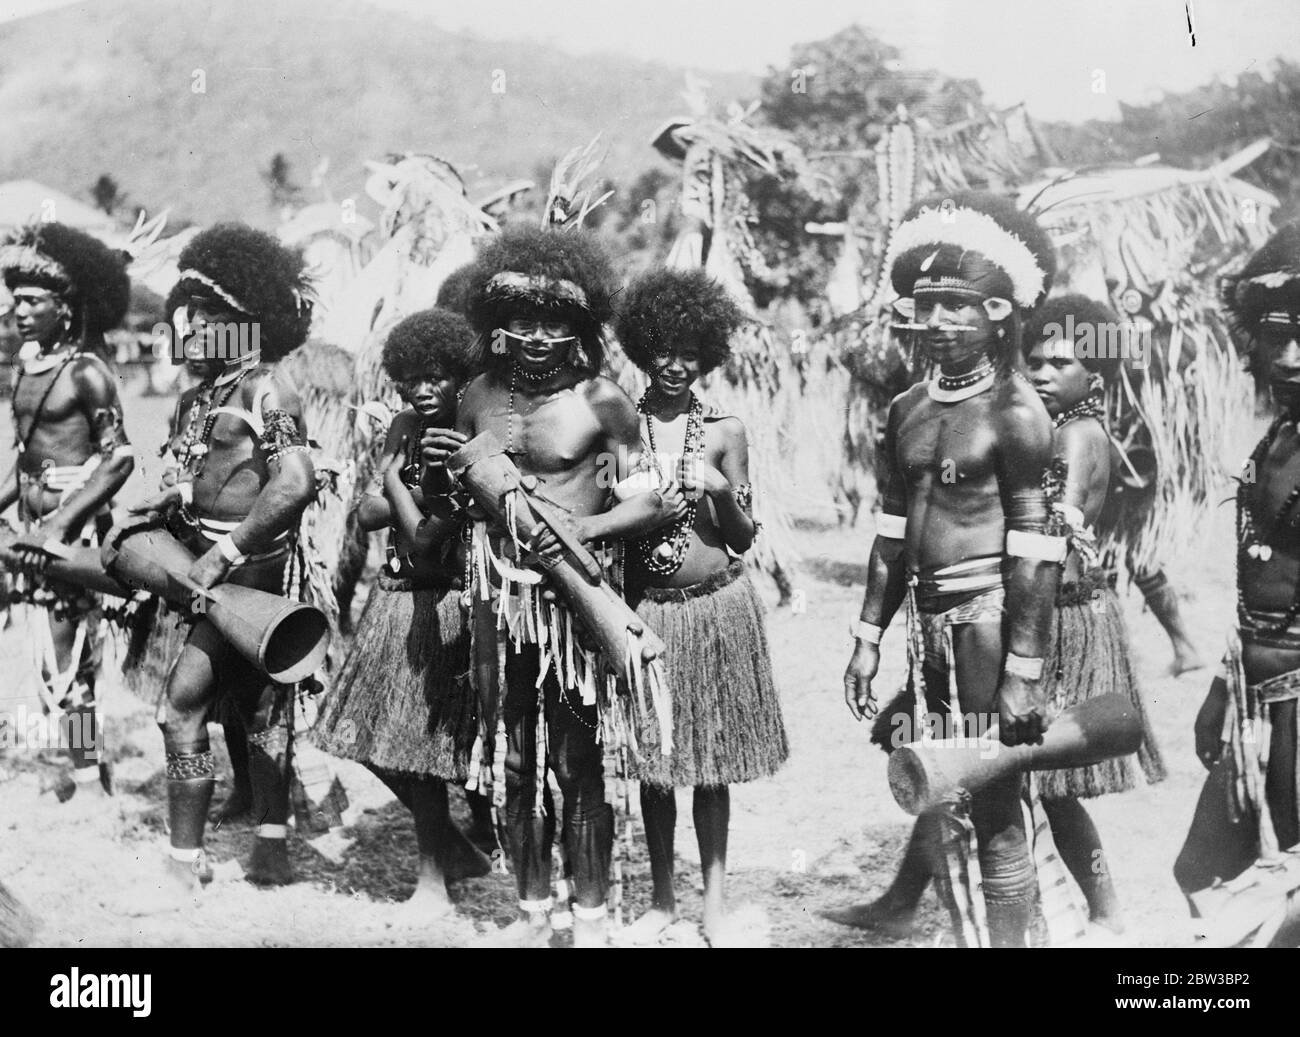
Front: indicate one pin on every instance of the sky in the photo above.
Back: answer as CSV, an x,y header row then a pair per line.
x,y
1048,53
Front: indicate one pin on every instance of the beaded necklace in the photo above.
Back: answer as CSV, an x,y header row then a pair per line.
x,y
1252,543
955,388
1092,407
194,445
662,552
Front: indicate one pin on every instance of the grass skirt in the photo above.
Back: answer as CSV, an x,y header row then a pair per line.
x,y
1088,656
402,701
727,725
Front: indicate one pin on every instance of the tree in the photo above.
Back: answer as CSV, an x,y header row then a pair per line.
x,y
107,194
279,178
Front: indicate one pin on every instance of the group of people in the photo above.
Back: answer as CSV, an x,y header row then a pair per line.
x,y
657,491
474,664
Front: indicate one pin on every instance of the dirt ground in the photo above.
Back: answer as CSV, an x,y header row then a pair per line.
x,y
821,834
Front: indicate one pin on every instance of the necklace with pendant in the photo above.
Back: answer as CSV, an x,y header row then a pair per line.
x,y
211,398
662,551
1253,543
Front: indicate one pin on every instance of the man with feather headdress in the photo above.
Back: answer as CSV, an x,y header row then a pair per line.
x,y
73,455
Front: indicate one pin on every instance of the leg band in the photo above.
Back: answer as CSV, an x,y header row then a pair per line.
x,y
191,766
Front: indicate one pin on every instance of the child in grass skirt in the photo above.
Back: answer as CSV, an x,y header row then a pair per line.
x,y
689,585
401,703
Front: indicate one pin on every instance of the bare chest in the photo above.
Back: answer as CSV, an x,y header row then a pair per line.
x,y
953,444
544,434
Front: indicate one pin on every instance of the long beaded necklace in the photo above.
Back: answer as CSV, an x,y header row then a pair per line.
x,y
1252,544
194,445
662,553
1092,407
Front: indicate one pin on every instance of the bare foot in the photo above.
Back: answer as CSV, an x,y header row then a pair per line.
x,y
533,931
590,932
1186,659
269,865
462,859
647,929
882,916
234,807
172,886
427,905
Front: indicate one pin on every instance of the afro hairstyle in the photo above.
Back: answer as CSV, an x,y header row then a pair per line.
x,y
437,338
1270,280
537,256
664,308
936,234
87,273
254,273
1077,311
454,292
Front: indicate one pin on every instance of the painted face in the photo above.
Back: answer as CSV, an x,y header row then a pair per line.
x,y
1281,346
39,315
957,330
1058,377
208,340
430,392
676,372
538,341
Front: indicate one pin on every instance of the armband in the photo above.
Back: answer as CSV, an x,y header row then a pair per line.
x,y
226,545
891,527
185,490
1019,666
1025,509
744,495
864,631
1037,545
279,432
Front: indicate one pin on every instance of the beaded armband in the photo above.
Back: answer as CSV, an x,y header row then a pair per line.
x,y
280,435
744,495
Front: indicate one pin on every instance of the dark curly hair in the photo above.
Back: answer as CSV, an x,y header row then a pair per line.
x,y
664,308
545,259
454,292
1085,313
91,276
266,279
437,339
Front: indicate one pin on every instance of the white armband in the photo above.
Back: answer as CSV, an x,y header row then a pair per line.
x,y
864,631
1019,666
892,527
636,484
1037,545
226,545
186,491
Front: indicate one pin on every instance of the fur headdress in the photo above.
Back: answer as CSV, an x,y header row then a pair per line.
x,y
435,339
973,240
250,272
563,274
664,308
88,274
1268,288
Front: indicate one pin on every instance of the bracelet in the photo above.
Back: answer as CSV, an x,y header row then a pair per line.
x,y
226,545
891,527
1019,666
186,491
864,631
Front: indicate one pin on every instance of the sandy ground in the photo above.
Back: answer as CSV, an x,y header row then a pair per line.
x,y
821,834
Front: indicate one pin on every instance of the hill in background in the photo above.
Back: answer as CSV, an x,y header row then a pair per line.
x,y
110,87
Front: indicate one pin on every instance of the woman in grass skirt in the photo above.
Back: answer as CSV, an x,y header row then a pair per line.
x,y
401,704
688,583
